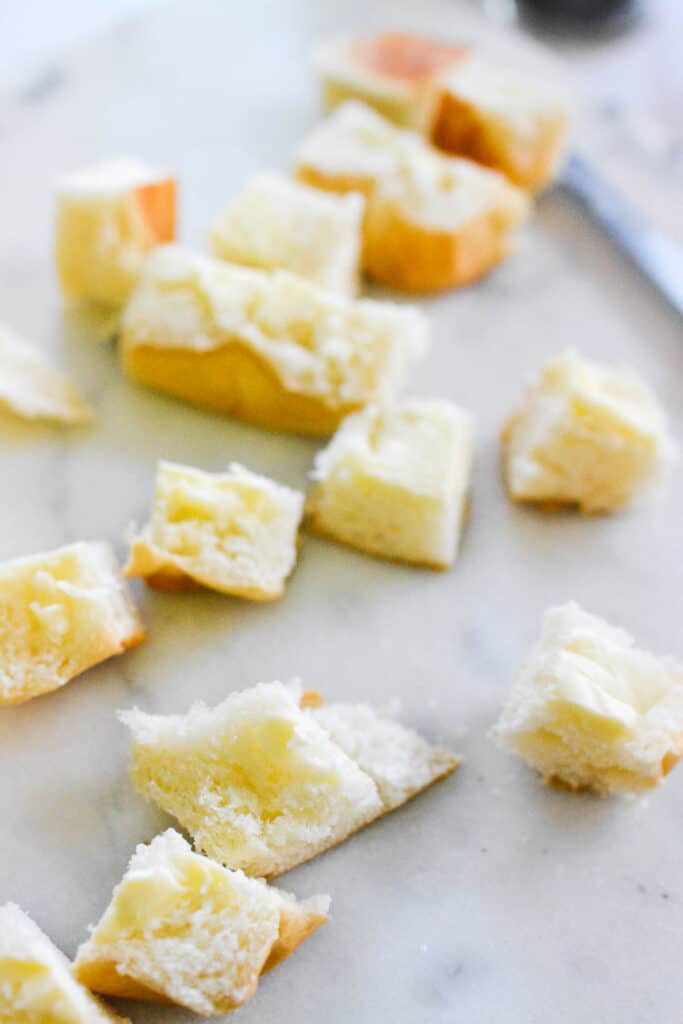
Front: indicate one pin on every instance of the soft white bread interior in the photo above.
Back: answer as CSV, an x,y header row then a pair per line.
x,y
393,72
279,223
501,117
586,435
271,348
235,532
109,216
433,221
182,929
60,613
394,479
591,711
36,984
31,388
262,785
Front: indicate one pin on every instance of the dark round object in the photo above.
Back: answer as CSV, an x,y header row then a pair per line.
x,y
579,15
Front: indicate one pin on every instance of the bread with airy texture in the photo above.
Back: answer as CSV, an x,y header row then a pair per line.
x,y
36,984
31,388
585,435
182,929
108,218
235,532
393,481
279,223
270,348
590,710
60,613
506,119
395,73
265,781
432,221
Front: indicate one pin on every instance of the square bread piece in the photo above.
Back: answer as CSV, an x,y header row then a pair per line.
x,y
501,117
31,388
61,612
393,481
278,223
393,72
269,348
108,218
182,929
591,711
432,221
269,779
585,435
235,532
36,984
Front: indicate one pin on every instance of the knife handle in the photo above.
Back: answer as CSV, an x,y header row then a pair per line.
x,y
659,258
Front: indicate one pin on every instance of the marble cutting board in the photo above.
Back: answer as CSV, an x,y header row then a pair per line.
x,y
489,898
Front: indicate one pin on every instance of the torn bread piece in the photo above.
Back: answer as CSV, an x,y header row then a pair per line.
x,y
235,532
591,711
31,388
182,929
394,72
277,223
36,983
109,216
585,435
270,348
62,612
263,783
432,221
506,119
394,480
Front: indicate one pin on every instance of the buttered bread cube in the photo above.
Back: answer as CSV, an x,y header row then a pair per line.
x,y
278,223
235,532
182,929
108,218
432,221
31,388
394,72
512,121
394,480
61,612
585,435
592,711
269,779
36,984
270,348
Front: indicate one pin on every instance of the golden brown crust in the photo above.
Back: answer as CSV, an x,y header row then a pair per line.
x,y
339,183
460,128
296,924
102,976
311,699
232,380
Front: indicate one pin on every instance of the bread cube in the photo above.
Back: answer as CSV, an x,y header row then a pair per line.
x,y
278,223
36,984
108,218
61,612
585,435
235,532
182,929
393,481
432,221
31,388
270,348
591,711
393,72
501,117
262,782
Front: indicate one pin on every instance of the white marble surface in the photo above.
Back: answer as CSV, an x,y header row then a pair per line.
x,y
489,898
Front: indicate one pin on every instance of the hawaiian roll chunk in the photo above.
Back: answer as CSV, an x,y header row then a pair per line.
x,y
394,481
234,532
270,348
108,218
